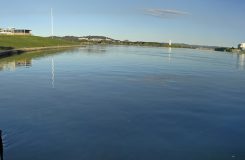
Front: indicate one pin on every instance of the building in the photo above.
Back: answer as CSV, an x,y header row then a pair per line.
x,y
95,38
13,31
83,39
241,46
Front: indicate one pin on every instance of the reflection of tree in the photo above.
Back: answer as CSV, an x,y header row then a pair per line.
x,y
95,50
23,63
241,61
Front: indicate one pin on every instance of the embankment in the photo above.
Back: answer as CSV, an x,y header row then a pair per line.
x,y
11,52
11,45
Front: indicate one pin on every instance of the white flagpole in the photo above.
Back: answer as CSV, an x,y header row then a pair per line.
x,y
52,23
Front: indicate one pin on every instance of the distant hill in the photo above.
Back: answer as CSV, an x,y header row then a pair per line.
x,y
108,40
96,39
75,38
67,38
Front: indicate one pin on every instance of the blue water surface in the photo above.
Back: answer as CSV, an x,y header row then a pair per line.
x,y
123,103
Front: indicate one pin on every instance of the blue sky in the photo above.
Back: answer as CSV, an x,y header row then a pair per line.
x,y
208,22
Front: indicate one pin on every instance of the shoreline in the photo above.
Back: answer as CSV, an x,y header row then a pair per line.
x,y
11,52
7,53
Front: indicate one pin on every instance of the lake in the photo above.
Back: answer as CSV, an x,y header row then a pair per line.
x,y
123,103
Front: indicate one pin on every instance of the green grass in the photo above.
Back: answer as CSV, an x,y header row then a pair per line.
x,y
15,42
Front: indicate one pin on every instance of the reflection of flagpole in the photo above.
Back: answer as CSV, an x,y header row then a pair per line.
x,y
53,76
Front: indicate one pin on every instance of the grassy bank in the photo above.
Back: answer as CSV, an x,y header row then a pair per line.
x,y
15,42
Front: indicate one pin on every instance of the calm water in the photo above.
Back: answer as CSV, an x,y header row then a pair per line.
x,y
123,103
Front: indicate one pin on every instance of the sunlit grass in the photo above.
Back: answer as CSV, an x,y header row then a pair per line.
x,y
10,42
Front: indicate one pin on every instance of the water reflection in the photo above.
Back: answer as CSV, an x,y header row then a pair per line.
x,y
96,98
1,145
12,65
53,75
24,60
94,50
241,61
169,54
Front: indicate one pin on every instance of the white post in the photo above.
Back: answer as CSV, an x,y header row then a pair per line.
x,y
170,43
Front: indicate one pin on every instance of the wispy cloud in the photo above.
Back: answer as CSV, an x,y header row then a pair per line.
x,y
165,13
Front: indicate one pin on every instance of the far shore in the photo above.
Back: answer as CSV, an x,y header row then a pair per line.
x,y
12,45
11,52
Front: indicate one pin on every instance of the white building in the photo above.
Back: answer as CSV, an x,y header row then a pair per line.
x,y
13,31
241,46
83,38
95,38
